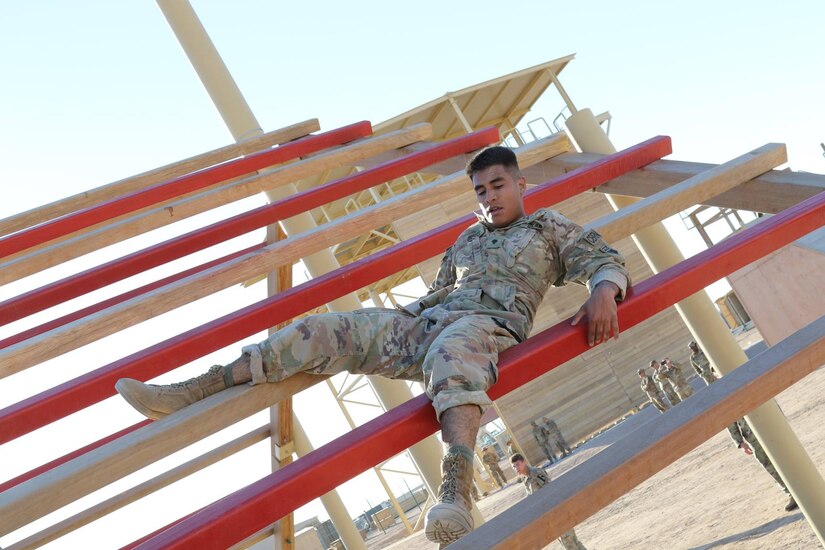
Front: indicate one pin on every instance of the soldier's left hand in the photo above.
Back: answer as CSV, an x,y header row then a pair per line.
x,y
600,310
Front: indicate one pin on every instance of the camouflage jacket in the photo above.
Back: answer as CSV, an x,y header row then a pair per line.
x,y
674,373
535,479
649,386
552,428
505,272
489,457
540,435
662,379
700,363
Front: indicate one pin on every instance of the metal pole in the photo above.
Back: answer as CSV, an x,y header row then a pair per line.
x,y
772,429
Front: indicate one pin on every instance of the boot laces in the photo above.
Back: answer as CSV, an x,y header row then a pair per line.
x,y
198,380
449,487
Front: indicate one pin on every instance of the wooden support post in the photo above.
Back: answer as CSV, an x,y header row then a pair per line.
x,y
280,415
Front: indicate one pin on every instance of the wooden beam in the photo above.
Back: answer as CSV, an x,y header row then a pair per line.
x,y
43,257
155,176
73,335
36,497
699,188
143,489
770,193
581,492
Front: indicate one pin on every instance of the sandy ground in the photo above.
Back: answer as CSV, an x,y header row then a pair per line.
x,y
714,497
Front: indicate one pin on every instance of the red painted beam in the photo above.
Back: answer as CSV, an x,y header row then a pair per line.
x,y
248,510
74,395
131,202
72,455
116,270
120,298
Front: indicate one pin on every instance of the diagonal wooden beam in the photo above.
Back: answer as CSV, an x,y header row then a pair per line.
x,y
155,176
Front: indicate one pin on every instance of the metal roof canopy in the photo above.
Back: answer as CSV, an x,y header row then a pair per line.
x,y
501,102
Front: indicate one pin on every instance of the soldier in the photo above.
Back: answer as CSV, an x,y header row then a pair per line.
x,y
556,437
664,383
701,364
490,458
745,439
542,438
653,392
674,373
534,479
511,447
482,301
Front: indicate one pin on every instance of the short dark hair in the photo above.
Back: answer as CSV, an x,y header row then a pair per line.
x,y
515,458
494,156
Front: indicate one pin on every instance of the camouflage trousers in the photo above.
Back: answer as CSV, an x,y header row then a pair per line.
x,y
658,401
683,389
455,356
708,377
760,455
548,451
671,395
496,473
570,541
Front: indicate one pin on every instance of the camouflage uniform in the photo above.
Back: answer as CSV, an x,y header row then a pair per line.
x,y
483,301
665,384
677,379
490,458
555,435
741,430
542,439
653,393
537,478
701,365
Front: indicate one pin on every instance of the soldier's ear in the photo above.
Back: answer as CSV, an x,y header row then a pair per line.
x,y
522,184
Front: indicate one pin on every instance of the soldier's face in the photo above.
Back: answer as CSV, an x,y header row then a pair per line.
x,y
500,196
520,466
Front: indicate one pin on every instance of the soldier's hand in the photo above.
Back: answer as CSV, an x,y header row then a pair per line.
x,y
747,448
600,310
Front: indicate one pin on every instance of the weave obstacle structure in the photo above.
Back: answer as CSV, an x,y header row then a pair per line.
x,y
34,494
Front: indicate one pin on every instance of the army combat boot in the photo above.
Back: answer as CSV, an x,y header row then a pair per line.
x,y
450,519
156,402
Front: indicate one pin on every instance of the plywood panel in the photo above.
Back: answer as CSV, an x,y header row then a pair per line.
x,y
784,291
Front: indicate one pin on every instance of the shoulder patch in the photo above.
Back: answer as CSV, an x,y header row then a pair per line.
x,y
607,250
592,237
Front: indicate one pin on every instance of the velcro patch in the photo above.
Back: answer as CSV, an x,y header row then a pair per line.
x,y
592,237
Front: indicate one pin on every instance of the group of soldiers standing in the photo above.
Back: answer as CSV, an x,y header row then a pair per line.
x,y
668,380
549,439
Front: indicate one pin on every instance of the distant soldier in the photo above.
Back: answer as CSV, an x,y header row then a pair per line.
x,y
673,371
541,435
511,447
490,458
653,392
554,436
701,364
664,383
534,479
745,439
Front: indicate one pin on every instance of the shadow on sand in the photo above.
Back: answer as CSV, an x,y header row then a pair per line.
x,y
753,534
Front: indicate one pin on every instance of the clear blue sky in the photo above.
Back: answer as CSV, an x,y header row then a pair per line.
x,y
95,91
